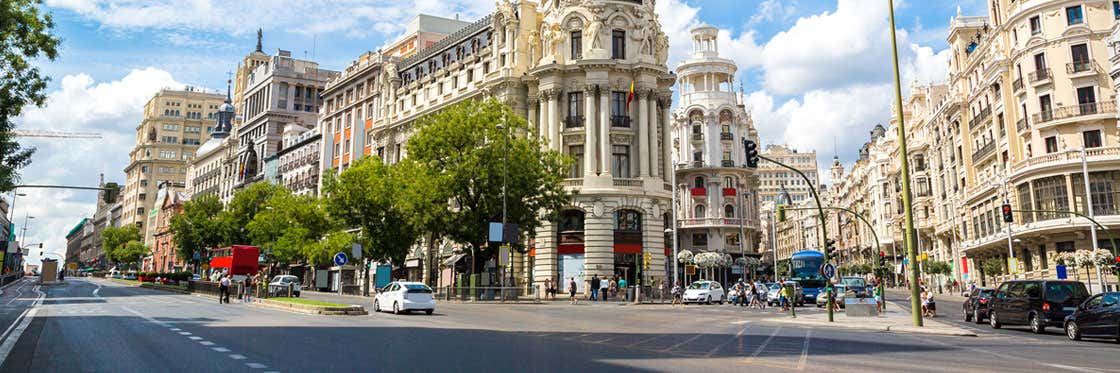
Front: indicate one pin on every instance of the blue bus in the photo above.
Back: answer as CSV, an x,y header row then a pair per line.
x,y
805,269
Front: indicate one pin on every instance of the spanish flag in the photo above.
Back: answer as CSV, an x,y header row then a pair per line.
x,y
630,97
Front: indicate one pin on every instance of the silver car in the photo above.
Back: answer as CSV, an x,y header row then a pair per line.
x,y
773,296
280,283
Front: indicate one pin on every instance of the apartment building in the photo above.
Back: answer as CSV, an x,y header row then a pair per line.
x,y
774,179
175,124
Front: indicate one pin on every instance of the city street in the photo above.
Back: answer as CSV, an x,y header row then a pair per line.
x,y
100,326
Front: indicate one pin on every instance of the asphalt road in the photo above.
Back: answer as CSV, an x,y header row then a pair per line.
x,y
99,326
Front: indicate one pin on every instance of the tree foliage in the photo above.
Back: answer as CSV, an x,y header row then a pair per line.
x,y
25,35
367,196
116,241
131,252
466,156
289,225
992,266
199,226
245,205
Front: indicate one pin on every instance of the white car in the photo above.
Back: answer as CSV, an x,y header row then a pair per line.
x,y
279,285
704,292
403,296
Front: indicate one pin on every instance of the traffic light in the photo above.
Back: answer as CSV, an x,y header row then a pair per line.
x,y
1007,218
882,259
646,258
781,209
829,247
111,191
752,153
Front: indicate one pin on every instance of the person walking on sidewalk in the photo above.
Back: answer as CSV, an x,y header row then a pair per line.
x,y
760,294
550,289
572,291
595,287
622,288
879,300
605,289
248,291
677,294
613,285
223,289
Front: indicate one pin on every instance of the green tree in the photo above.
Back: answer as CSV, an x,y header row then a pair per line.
x,y
322,252
464,150
114,239
130,253
366,197
199,227
288,224
245,205
992,266
25,35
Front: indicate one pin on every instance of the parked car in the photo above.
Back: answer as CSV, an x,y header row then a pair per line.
x,y
976,305
855,284
402,296
773,296
704,292
1038,303
842,292
280,283
1098,316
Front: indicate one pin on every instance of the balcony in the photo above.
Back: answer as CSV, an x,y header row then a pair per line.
x,y
980,118
620,121
984,151
1089,108
729,192
1017,85
726,136
1022,124
1103,153
697,136
1077,67
698,192
1040,76
727,163
573,121
573,182
627,182
697,164
710,222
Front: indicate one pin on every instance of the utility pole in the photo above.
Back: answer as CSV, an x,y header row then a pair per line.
x,y
742,231
1010,245
1089,205
915,297
673,217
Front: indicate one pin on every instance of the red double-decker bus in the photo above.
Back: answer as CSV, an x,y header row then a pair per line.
x,y
237,260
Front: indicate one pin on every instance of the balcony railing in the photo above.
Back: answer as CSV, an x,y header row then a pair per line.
x,y
627,182
979,118
1088,108
1079,66
573,121
1022,124
572,182
1039,75
620,121
726,136
727,163
703,222
697,136
984,151
1111,152
1017,85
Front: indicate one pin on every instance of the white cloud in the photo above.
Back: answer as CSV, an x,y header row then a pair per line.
x,y
771,10
113,109
308,17
678,18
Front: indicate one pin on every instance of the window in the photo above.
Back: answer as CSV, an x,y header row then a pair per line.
x,y
576,152
1044,107
575,109
698,212
1042,262
628,221
618,103
1081,61
618,44
1050,194
620,160
729,211
577,45
1073,15
1116,10
1091,139
699,239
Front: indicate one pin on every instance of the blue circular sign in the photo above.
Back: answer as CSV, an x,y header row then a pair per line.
x,y
828,270
340,259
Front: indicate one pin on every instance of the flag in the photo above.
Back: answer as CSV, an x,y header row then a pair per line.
x,y
630,97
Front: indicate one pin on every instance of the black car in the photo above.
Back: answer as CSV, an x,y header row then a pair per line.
x,y
1038,303
1099,317
976,306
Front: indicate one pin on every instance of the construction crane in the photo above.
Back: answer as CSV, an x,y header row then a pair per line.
x,y
56,134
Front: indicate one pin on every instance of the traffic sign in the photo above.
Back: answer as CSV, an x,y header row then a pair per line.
x,y
340,259
72,265
828,270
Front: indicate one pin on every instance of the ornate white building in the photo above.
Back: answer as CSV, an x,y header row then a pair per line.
x,y
716,193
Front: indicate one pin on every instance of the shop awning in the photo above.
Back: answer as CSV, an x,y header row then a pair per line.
x,y
451,260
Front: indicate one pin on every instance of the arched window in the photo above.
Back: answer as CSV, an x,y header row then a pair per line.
x,y
728,182
571,227
698,182
696,129
698,212
729,211
696,116
725,117
628,221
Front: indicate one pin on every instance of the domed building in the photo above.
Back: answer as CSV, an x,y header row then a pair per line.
x,y
717,202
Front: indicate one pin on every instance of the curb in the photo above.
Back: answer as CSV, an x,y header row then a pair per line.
x,y
889,328
311,310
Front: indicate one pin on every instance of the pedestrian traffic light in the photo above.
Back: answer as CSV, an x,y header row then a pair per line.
x,y
752,153
781,210
1007,218
646,258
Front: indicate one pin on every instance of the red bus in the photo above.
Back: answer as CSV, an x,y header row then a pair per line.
x,y
236,259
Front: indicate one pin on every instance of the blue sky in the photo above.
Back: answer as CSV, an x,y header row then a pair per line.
x,y
815,71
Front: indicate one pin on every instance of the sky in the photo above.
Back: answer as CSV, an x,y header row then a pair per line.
x,y
816,73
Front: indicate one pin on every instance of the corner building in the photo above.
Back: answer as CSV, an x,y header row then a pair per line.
x,y
568,67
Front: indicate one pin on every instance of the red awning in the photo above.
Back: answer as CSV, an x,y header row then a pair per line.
x,y
569,249
627,248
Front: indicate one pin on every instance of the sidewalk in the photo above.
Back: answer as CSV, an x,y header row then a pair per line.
x,y
895,319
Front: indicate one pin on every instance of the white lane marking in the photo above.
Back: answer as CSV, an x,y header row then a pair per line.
x,y
805,350
237,357
98,290
206,343
256,365
682,343
220,349
175,329
19,293
763,345
13,326
643,340
729,340
195,338
1073,368
143,316
184,333
23,322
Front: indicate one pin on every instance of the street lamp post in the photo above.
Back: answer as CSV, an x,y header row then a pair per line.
x,y
673,217
1010,244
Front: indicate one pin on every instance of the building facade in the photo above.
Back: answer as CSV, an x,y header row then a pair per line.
x,y
718,199
212,170
164,257
298,160
774,179
75,240
175,123
568,68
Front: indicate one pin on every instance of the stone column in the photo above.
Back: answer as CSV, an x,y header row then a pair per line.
x,y
643,133
598,244
651,146
666,128
534,120
554,119
605,133
591,162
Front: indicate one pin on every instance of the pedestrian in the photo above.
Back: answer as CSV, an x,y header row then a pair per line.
x,y
572,291
613,287
550,289
785,295
223,289
605,288
595,287
744,298
760,294
248,296
661,290
879,300
931,305
924,297
677,294
622,288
